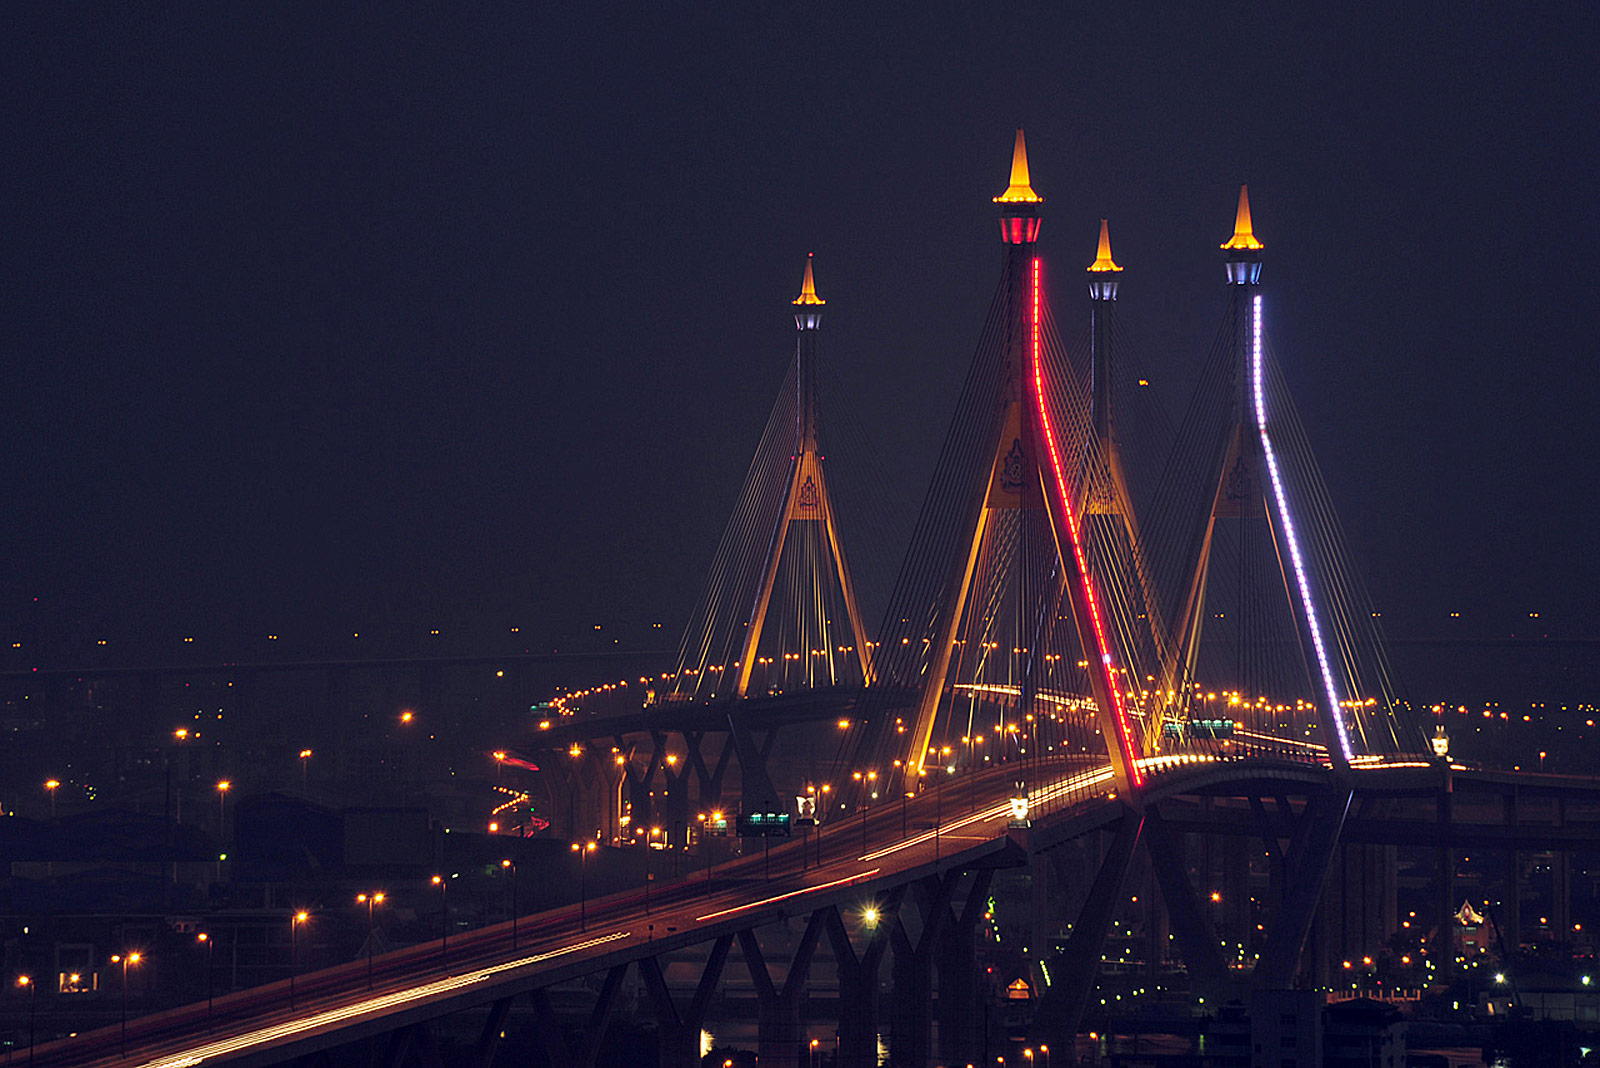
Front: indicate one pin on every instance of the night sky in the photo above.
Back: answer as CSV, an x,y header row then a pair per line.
x,y
327,318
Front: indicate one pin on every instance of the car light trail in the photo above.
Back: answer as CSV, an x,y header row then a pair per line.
x,y
1277,739
1000,811
784,897
1288,528
291,1028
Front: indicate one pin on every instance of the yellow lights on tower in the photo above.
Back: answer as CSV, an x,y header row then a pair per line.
x,y
1244,235
1103,262
1020,191
808,292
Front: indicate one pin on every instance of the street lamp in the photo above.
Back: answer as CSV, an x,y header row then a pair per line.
x,y
52,785
294,926
513,866
305,777
205,939
125,959
444,914
370,900
223,786
812,1062
649,845
27,983
583,852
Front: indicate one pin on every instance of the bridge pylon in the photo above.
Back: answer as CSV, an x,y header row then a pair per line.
x,y
1117,550
779,610
998,573
1248,486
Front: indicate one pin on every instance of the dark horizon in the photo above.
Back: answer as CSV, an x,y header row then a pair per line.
x,y
326,325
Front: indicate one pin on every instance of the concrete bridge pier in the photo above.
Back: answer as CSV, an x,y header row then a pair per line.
x,y
1074,969
779,1036
1511,909
858,980
1444,943
678,1032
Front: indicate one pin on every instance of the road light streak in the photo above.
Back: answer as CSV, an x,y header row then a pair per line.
x,y
848,879
368,1006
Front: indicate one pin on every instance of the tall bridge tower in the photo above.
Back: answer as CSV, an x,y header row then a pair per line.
x,y
1116,550
997,563
807,500
779,610
1250,488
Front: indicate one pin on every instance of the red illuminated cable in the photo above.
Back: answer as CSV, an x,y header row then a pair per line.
x,y
1077,547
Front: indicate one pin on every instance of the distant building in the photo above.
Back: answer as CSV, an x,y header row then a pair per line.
x,y
1294,1029
1363,1034
1286,1029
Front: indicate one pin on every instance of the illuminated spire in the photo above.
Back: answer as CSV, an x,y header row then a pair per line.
x,y
1019,191
808,287
1103,261
1244,236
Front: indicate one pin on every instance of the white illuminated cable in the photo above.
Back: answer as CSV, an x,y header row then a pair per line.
x,y
1288,527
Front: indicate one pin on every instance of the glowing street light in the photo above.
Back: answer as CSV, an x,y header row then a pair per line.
x,y
26,983
204,938
52,785
305,760
295,921
370,900
444,914
125,959
583,850
513,866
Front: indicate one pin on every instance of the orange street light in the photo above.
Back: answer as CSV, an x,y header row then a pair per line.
x,y
26,982
125,959
513,866
294,926
205,939
370,900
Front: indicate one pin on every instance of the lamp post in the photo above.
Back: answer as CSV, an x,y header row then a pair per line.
x,y
27,983
513,866
444,915
223,786
51,786
648,847
583,850
125,959
812,1061
294,926
904,794
204,938
370,900
305,777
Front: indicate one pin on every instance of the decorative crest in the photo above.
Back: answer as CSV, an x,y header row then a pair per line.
x,y
808,287
1019,191
1103,261
1244,236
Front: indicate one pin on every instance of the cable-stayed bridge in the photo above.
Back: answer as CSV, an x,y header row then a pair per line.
x,y
1062,665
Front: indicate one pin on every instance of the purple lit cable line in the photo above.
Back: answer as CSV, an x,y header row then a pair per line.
x,y
1288,527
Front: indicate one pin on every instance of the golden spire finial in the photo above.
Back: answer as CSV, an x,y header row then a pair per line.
x,y
1244,237
1103,261
1019,191
808,286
